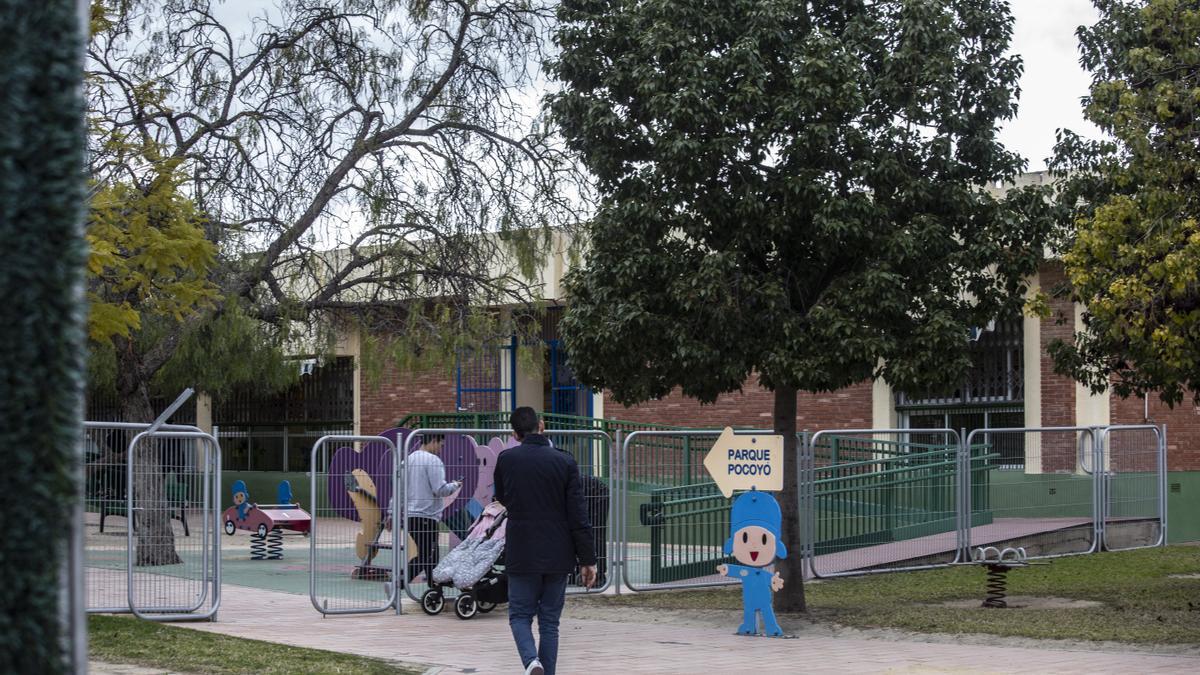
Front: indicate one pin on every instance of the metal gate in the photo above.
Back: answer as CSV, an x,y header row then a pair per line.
x,y
1041,488
881,500
187,470
173,551
353,539
1131,478
470,455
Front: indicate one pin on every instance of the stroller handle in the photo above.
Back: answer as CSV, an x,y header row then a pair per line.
x,y
496,523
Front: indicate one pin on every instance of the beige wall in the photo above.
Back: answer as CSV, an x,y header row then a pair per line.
x,y
883,406
530,390
1090,409
1032,377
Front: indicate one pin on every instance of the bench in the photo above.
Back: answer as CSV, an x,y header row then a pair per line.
x,y
109,498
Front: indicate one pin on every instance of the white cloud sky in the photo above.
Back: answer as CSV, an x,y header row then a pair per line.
x,y
1053,83
1044,34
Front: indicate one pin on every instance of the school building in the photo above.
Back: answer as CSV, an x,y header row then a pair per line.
x,y
1011,385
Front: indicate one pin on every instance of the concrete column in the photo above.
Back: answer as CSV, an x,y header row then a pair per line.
x,y
1090,409
349,343
530,378
1032,375
883,406
204,412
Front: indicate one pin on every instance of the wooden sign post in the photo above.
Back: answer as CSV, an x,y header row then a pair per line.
x,y
754,463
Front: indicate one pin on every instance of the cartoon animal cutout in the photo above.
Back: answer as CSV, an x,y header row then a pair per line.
x,y
755,542
363,494
461,459
485,486
375,459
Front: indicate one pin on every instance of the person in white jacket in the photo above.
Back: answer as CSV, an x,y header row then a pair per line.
x,y
426,491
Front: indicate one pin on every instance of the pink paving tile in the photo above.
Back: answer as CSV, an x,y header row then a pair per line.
x,y
483,645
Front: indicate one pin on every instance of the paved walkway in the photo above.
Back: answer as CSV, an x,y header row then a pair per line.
x,y
634,644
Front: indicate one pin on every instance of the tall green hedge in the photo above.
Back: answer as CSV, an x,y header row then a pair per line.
x,y
42,256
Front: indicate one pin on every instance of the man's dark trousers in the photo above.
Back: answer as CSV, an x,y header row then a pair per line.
x,y
424,532
543,596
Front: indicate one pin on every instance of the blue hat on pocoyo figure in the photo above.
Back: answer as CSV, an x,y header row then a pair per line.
x,y
755,525
755,541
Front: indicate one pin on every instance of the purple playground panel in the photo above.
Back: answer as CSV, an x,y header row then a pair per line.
x,y
463,458
375,459
460,454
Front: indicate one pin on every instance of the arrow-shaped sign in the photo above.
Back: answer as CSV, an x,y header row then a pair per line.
x,y
745,461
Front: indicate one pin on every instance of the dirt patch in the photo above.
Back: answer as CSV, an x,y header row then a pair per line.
x,y
1028,602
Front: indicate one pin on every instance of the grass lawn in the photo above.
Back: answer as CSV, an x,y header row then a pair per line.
x,y
1142,601
125,640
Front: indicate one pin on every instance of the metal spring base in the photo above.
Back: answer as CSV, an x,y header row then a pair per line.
x,y
267,548
997,585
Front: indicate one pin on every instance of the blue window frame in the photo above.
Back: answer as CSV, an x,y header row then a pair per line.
x,y
485,378
567,395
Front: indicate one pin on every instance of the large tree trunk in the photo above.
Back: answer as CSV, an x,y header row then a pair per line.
x,y
791,568
153,537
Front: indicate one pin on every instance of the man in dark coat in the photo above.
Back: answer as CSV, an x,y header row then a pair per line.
x,y
548,535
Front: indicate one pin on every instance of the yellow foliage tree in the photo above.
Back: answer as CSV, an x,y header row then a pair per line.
x,y
149,257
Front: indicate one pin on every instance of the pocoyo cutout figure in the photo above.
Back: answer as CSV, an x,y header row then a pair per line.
x,y
754,541
241,499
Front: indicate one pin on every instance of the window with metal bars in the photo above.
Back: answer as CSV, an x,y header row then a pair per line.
x,y
992,397
485,378
997,373
276,432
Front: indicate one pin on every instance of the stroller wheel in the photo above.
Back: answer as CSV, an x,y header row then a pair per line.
x,y
466,607
485,607
432,602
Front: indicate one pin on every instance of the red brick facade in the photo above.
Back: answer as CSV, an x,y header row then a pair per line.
x,y
433,390
398,394
844,409
1183,430
1058,392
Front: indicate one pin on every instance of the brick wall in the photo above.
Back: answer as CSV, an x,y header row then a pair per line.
x,y
753,406
1183,433
397,394
1058,393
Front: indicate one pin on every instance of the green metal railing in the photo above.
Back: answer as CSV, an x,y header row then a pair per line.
x,y
891,497
833,449
895,498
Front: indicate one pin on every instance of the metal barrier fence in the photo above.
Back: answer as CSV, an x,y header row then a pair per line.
x,y
881,499
873,500
884,500
468,458
1042,497
354,544
1132,480
672,519
164,481
167,565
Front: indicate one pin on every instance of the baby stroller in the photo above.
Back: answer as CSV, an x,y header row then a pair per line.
x,y
473,567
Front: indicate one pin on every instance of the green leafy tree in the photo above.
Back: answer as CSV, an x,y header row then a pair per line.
x,y
157,322
791,190
1134,252
42,194
362,162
